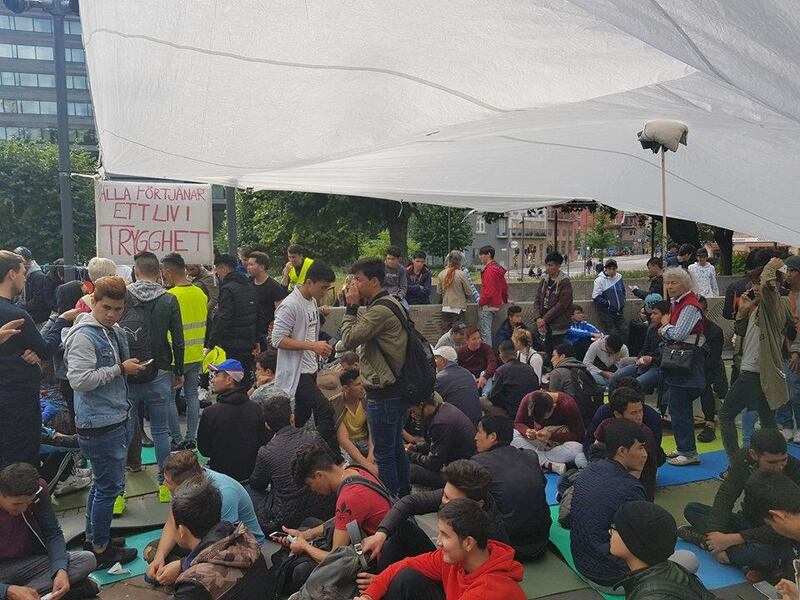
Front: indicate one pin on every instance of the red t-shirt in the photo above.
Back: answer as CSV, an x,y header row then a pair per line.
x,y
356,502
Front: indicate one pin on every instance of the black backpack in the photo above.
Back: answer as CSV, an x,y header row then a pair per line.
x,y
588,395
137,321
417,378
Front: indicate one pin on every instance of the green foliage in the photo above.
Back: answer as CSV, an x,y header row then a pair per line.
x,y
738,262
430,228
601,234
377,246
29,200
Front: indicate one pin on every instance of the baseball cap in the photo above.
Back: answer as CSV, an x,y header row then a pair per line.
x,y
230,366
792,262
23,252
446,352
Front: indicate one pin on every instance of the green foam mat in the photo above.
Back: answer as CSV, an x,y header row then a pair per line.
x,y
136,567
149,456
550,575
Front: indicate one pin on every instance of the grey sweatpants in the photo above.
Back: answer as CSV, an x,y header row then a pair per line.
x,y
34,571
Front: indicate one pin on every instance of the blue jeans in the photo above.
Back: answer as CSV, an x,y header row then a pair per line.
x,y
108,453
485,320
157,395
647,378
788,415
386,418
191,374
681,401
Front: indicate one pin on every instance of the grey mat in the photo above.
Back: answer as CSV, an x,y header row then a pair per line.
x,y
142,514
584,594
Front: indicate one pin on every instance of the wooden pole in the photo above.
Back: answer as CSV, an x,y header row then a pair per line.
x,y
664,212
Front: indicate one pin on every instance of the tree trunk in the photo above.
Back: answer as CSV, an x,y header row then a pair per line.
x,y
398,227
724,239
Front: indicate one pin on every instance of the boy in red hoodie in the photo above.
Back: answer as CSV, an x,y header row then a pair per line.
x,y
494,292
467,565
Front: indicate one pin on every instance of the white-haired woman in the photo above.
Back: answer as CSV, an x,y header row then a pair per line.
x,y
683,324
98,267
454,289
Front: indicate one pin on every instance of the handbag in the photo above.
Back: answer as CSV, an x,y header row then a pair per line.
x,y
677,357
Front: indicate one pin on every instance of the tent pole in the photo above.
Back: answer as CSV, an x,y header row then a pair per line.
x,y
664,211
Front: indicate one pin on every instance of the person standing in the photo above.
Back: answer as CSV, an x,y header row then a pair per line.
x,y
609,298
205,280
655,270
296,336
234,325
269,294
381,340
454,289
704,275
553,302
715,375
194,318
35,299
788,415
98,362
419,279
297,266
494,292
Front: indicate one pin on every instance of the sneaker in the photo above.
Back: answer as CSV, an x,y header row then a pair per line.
x,y
682,460
164,495
796,437
72,484
81,472
112,555
691,535
119,506
134,468
788,433
707,435
673,454
118,542
146,441
557,467
188,445
174,447
85,588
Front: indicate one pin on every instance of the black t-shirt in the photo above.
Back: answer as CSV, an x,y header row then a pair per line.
x,y
267,294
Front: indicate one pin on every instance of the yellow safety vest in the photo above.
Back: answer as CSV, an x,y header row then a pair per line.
x,y
194,315
294,278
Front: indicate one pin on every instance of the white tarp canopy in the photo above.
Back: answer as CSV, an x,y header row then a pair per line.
x,y
486,104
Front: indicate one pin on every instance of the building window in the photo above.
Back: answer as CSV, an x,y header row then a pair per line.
x,y
14,23
502,227
48,134
76,82
42,80
72,27
79,109
26,52
75,55
480,224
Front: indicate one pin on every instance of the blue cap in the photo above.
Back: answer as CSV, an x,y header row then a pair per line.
x,y
651,300
231,366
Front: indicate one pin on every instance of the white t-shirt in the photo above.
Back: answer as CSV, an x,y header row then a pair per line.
x,y
295,318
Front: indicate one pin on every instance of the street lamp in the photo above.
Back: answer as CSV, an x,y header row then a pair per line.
x,y
57,10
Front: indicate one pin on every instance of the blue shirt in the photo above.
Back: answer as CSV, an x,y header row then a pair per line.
x,y
236,503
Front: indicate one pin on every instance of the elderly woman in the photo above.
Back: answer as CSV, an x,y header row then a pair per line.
x,y
684,324
454,289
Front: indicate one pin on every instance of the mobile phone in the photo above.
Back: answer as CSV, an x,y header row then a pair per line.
x,y
147,362
767,590
278,534
47,596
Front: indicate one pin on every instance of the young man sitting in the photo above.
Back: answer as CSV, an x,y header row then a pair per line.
x,y
603,358
646,369
644,536
518,486
455,337
550,424
466,565
650,416
225,560
264,385
232,430
581,333
477,357
33,556
731,537
237,507
513,321
599,491
512,381
396,540
352,432
449,436
455,384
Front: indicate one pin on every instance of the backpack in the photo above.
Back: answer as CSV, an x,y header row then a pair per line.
x,y
588,395
137,321
417,378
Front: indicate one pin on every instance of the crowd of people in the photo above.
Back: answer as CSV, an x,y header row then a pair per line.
x,y
316,438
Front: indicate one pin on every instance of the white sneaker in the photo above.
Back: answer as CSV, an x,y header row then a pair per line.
x,y
557,468
81,473
72,484
674,454
682,460
788,433
796,437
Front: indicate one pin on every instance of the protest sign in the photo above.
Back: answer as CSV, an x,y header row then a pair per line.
x,y
138,216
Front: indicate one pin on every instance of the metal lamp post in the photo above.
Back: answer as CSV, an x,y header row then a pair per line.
x,y
57,10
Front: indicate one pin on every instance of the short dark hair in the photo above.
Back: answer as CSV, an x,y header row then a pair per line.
x,y
147,264
182,465
499,425
769,490
348,376
419,254
296,249
622,433
309,459
702,252
662,306
277,410
394,251
245,251
349,358
19,479
197,505
9,261
565,349
470,477
471,331
506,347
372,268
261,258
539,404
225,260
513,310
320,271
621,397
686,249
614,342
769,441
575,308
268,360
655,262
487,250
554,257
467,520
174,261
610,263
617,383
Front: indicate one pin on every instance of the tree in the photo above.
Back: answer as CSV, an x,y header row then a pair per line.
x,y
440,229
601,234
30,204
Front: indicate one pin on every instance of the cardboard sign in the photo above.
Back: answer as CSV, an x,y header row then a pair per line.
x,y
139,216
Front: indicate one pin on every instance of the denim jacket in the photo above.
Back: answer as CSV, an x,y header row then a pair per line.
x,y
93,355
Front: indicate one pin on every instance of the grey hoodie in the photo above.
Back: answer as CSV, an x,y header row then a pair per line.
x,y
561,376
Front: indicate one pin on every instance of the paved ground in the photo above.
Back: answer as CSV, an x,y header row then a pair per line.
x,y
134,588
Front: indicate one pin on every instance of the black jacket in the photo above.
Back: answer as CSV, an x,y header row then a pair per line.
x,y
518,487
664,581
234,324
656,287
652,344
450,436
457,386
231,432
38,298
512,381
715,341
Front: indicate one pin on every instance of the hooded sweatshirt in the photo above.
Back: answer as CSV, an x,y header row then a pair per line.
x,y
554,302
609,294
166,319
494,287
498,577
